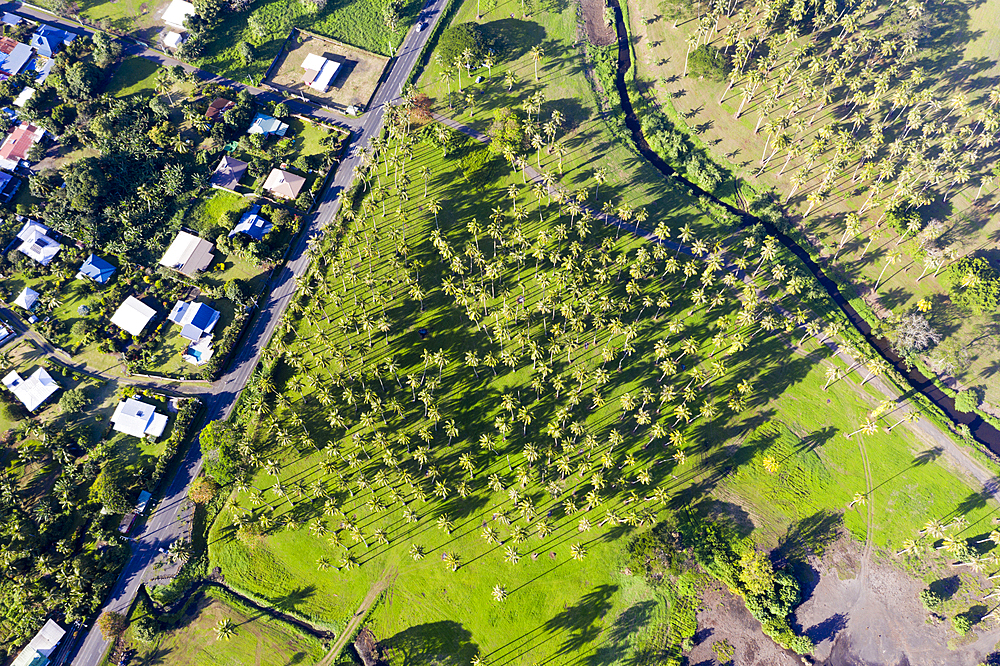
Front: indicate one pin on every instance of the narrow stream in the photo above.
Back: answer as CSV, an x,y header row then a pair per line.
x,y
983,432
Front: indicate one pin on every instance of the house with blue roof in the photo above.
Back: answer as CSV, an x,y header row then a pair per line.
x,y
196,320
48,40
8,186
96,269
253,224
13,56
266,125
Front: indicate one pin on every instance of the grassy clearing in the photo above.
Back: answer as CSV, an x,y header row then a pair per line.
x,y
134,76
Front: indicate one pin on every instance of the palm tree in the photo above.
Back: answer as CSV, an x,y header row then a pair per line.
x,y
868,427
499,592
225,629
890,259
509,79
536,54
452,560
577,551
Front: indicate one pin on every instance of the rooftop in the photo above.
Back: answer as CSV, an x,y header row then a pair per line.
x,y
175,14
34,390
27,298
267,125
132,316
195,319
137,418
227,175
96,269
284,184
36,243
188,254
40,648
253,224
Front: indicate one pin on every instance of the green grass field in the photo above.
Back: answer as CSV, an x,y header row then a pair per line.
x,y
134,76
558,607
190,639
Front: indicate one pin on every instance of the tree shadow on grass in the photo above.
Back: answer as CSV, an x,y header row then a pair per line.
x,y
582,620
946,587
619,642
809,536
441,643
513,37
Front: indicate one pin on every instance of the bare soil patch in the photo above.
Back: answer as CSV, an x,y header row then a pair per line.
x,y
855,619
598,31
354,84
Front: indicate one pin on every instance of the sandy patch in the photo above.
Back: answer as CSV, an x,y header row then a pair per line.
x,y
598,31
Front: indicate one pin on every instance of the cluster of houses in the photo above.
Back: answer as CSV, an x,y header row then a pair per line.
x,y
279,183
188,254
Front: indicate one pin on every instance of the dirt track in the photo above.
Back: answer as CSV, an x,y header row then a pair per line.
x,y
599,32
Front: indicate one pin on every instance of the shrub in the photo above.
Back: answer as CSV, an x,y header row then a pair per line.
x,y
724,651
708,61
111,624
202,490
965,401
974,285
145,630
930,599
962,624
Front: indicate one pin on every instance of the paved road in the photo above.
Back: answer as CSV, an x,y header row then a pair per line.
x,y
163,527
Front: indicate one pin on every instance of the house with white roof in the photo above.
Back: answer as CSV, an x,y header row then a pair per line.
x,y
188,254
36,243
137,418
40,648
175,14
320,72
34,390
253,224
132,316
284,184
27,299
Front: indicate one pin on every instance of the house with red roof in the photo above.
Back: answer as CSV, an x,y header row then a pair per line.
x,y
15,147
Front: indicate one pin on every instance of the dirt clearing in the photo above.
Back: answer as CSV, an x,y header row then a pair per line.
x,y
599,31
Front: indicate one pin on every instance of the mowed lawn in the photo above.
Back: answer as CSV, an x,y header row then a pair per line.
x,y
967,352
557,608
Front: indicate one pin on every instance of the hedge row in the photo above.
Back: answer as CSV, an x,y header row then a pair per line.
x,y
186,417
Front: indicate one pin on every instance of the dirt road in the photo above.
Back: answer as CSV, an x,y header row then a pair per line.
x,y
387,579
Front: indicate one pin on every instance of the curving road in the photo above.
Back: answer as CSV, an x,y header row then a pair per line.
x,y
165,522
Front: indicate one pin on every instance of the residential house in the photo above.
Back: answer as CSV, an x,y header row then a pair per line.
x,y
132,316
27,299
15,147
96,269
175,14
188,254
48,40
13,56
218,107
8,186
284,184
320,72
173,40
253,224
137,418
227,175
36,243
266,125
40,648
34,390
195,319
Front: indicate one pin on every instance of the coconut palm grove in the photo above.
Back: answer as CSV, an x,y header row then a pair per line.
x,y
604,333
